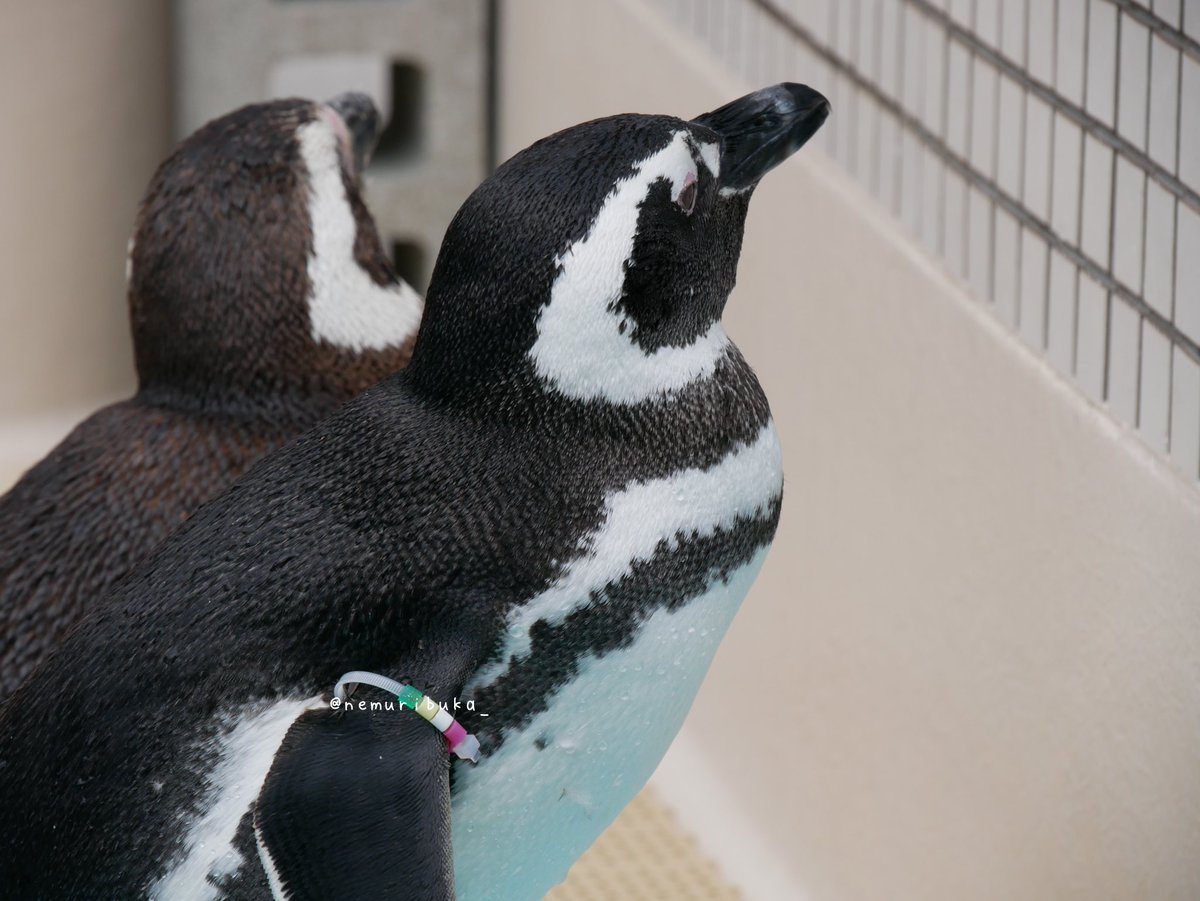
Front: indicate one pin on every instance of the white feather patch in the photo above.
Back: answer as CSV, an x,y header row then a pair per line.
x,y
346,308
276,884
638,520
244,755
711,155
581,349
524,814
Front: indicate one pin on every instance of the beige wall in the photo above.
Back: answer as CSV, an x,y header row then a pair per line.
x,y
978,634
85,90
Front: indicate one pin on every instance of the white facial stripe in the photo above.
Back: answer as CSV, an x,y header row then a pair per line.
x,y
129,260
580,347
244,755
346,308
515,836
710,154
638,519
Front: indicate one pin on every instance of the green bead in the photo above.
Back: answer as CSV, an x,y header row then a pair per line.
x,y
410,697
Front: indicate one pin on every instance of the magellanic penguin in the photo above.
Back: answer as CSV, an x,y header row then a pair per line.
x,y
550,516
260,300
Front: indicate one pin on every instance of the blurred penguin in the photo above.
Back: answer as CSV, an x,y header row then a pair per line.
x,y
260,299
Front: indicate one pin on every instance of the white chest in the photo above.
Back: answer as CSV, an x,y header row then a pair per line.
x,y
525,813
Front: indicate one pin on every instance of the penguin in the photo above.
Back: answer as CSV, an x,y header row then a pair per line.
x,y
260,299
544,524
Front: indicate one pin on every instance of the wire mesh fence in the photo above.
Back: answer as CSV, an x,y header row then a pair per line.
x,y
1046,151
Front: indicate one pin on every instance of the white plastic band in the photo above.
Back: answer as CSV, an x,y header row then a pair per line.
x,y
359,677
442,720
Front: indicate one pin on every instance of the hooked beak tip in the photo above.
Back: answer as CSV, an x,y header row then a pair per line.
x,y
762,129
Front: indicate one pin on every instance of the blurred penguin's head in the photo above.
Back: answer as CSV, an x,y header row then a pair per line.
x,y
256,268
596,263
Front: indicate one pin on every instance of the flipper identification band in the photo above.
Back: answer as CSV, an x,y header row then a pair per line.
x,y
462,743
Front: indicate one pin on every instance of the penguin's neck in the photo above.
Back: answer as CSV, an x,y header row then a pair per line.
x,y
283,407
694,425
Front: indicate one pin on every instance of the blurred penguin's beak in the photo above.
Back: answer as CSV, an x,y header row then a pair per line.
x,y
761,130
362,121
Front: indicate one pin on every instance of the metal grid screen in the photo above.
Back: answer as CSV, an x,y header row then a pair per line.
x,y
1047,151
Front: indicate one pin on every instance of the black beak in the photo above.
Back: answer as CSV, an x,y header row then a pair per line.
x,y
362,121
761,130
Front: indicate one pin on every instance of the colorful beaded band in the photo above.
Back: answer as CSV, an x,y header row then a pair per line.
x,y
462,743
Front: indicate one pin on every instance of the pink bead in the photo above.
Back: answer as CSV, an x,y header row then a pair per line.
x,y
455,734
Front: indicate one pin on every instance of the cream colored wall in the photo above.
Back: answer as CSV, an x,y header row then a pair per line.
x,y
978,635
976,643
85,91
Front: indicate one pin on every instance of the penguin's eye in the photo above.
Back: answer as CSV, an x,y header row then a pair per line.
x,y
687,197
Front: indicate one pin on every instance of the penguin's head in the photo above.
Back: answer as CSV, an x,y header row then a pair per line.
x,y
596,263
256,270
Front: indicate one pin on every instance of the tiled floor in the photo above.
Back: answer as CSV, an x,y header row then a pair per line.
x,y
646,854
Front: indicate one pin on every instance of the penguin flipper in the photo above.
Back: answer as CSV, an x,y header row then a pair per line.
x,y
357,805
